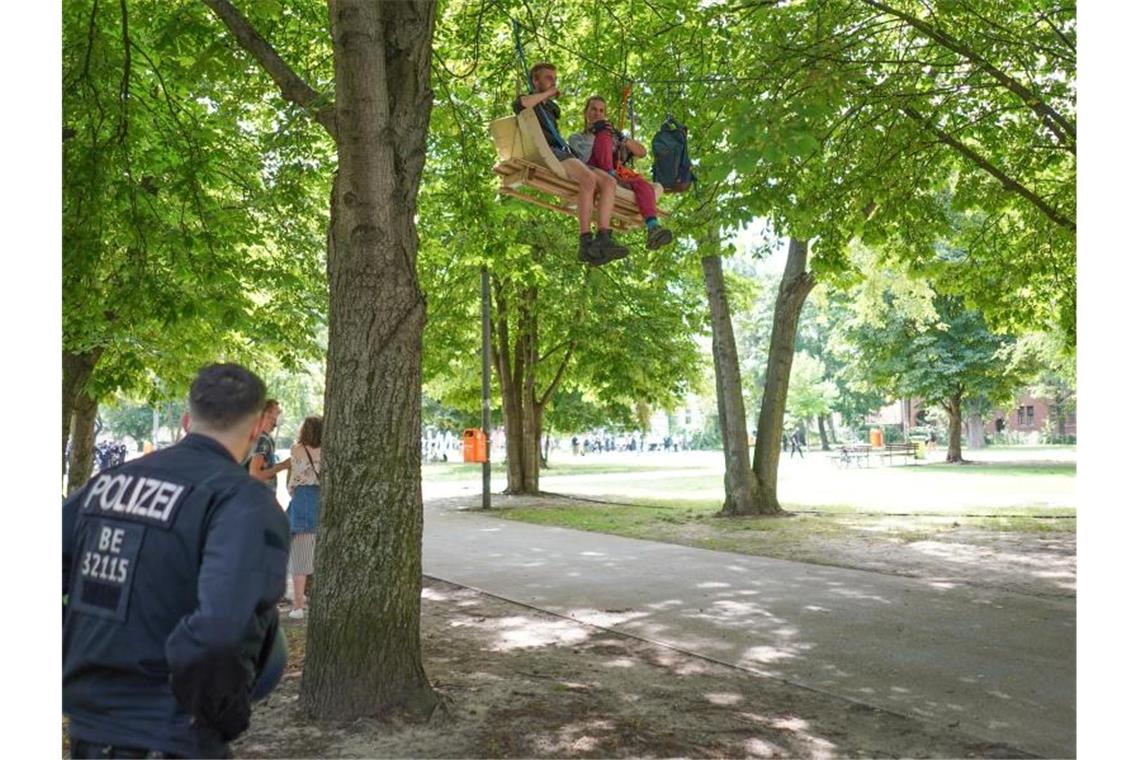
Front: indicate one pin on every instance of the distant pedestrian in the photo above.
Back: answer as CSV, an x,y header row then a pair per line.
x,y
797,444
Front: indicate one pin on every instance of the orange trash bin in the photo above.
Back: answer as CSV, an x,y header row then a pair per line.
x,y
474,445
876,438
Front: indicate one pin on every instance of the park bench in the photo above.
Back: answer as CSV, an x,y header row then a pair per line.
x,y
526,163
903,450
858,454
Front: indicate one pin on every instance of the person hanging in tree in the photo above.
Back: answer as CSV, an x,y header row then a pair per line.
x,y
594,250
611,151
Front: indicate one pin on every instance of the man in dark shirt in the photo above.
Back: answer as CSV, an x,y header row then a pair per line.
x,y
596,250
172,568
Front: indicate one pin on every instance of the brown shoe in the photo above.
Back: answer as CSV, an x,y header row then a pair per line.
x,y
657,237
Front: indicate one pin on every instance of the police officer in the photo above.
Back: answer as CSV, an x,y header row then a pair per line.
x,y
172,568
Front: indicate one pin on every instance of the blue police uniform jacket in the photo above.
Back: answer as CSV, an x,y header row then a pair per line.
x,y
172,566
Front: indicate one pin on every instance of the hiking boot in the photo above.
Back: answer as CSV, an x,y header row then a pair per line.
x,y
657,237
608,249
588,251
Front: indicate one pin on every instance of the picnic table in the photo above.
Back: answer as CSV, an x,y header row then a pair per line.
x,y
858,454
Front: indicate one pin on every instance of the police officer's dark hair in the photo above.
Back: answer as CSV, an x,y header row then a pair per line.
x,y
311,430
224,394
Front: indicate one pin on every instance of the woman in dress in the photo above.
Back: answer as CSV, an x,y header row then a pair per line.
x,y
304,490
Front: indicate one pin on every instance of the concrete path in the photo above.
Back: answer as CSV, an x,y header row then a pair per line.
x,y
998,666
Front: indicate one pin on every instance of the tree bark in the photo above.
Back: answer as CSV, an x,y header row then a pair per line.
x,y
795,285
741,490
831,427
953,407
823,444
975,431
77,370
363,653
81,461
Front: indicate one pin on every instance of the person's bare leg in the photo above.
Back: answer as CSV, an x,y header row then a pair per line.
x,y
298,592
587,186
607,189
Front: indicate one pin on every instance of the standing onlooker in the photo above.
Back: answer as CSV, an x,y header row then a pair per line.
x,y
304,488
263,463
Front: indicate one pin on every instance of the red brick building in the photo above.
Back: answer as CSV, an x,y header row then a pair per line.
x,y
1027,415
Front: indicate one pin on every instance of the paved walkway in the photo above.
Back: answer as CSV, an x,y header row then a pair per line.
x,y
998,666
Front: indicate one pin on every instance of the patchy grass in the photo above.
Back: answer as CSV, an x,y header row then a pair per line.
x,y
832,535
1016,469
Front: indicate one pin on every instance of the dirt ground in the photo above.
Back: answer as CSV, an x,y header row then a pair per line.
x,y
521,683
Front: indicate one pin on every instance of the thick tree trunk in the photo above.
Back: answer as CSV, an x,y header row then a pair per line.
x,y
975,430
795,285
741,491
82,458
954,446
77,370
831,427
363,652
823,445
529,447
515,366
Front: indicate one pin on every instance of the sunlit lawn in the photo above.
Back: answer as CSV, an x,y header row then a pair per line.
x,y
677,501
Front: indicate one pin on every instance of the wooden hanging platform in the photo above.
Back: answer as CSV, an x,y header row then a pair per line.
x,y
529,171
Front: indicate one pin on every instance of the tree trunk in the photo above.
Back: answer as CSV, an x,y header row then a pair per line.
x,y
831,427
77,370
82,458
363,652
975,431
531,427
954,445
741,491
795,285
823,445
516,366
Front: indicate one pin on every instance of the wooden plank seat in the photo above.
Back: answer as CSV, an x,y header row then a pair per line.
x,y
529,171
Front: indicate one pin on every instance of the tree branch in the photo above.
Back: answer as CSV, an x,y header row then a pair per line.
x,y
293,88
1006,181
558,375
1064,130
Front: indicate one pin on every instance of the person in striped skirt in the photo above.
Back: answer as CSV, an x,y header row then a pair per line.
x,y
304,489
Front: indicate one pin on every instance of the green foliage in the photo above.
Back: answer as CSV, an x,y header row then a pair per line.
x,y
125,419
954,357
810,394
192,226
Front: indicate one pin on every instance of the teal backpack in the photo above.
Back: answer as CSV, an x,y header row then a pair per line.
x,y
671,165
